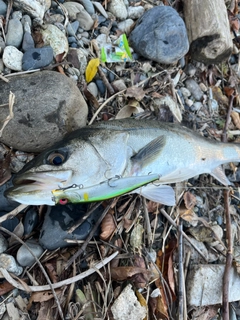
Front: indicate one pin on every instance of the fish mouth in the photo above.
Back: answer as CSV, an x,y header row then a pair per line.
x,y
34,188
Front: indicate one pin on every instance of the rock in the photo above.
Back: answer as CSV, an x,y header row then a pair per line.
x,y
37,58
126,25
9,263
127,306
3,8
9,224
35,8
101,86
59,219
47,106
26,19
24,256
118,9
3,244
17,15
92,87
119,85
73,8
54,37
78,58
15,33
204,285
28,42
135,12
194,88
72,28
100,8
185,92
85,20
160,35
2,44
12,58
30,220
88,6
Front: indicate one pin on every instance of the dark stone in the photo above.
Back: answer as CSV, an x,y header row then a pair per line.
x,y
30,220
37,58
59,219
72,40
160,35
28,42
101,86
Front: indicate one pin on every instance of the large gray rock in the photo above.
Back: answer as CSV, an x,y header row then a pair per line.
x,y
160,35
47,106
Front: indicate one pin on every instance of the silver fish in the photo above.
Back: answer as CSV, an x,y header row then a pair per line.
x,y
128,149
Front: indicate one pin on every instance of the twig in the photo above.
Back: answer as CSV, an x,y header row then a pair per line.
x,y
105,81
9,9
13,213
11,114
4,78
226,276
89,237
224,133
180,272
65,282
183,233
40,266
147,222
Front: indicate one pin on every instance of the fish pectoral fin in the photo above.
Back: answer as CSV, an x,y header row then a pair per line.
x,y
162,194
219,174
150,152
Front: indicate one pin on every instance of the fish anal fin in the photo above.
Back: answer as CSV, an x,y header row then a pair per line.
x,y
162,194
149,153
219,174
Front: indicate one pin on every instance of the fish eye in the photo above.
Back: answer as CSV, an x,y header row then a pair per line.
x,y
56,158
63,201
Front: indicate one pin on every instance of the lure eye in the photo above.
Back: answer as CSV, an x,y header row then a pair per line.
x,y
63,201
56,158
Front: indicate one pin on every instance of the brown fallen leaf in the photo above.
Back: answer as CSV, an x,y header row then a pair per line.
x,y
135,92
190,200
131,108
236,119
51,270
108,226
123,273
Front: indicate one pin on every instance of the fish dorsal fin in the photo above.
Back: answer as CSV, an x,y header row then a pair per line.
x,y
162,194
148,153
219,174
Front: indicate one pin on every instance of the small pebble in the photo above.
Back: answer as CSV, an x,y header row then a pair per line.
x,y
73,8
9,263
30,220
196,106
28,42
190,70
126,25
3,244
100,8
37,58
24,256
118,9
3,8
135,12
194,88
72,28
119,85
185,92
92,87
85,20
15,33
17,15
101,86
72,40
26,19
12,58
88,6
203,87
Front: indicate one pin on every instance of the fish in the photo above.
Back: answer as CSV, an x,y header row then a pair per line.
x,y
127,152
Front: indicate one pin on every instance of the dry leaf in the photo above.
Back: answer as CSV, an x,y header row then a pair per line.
x,y
142,301
91,97
236,119
127,111
18,231
107,226
51,270
92,69
219,96
122,273
135,92
190,200
162,308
